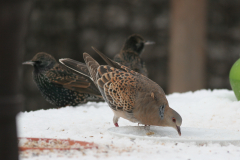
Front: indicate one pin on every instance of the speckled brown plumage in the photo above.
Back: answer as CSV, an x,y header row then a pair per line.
x,y
130,54
62,86
118,87
131,95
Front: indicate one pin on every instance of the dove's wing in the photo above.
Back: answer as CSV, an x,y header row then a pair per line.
x,y
119,88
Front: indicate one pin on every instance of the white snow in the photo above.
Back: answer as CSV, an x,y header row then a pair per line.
x,y
217,109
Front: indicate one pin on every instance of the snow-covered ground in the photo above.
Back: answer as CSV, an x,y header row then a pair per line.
x,y
217,109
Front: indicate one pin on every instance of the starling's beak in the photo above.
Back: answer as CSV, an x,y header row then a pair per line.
x,y
149,42
179,130
28,63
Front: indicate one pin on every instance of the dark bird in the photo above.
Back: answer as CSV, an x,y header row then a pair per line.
x,y
62,86
130,53
131,95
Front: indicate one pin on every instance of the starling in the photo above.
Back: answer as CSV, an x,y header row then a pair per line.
x,y
131,95
60,85
130,53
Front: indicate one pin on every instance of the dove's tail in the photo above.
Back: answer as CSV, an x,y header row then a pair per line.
x,y
107,60
76,66
92,66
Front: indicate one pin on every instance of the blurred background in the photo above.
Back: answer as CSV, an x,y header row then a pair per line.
x,y
197,42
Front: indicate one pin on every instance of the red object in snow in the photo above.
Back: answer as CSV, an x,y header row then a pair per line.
x,y
70,143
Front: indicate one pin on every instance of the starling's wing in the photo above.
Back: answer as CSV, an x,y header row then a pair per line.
x,y
113,63
119,88
75,65
70,80
133,61
119,59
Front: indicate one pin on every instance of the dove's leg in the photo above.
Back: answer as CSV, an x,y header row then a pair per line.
x,y
115,121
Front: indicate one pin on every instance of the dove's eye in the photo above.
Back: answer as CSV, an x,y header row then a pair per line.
x,y
173,119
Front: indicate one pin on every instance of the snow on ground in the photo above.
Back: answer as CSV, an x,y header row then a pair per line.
x,y
217,109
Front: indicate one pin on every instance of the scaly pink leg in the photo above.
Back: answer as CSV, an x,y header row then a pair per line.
x,y
116,124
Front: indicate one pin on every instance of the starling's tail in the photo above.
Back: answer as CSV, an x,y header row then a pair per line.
x,y
76,66
92,66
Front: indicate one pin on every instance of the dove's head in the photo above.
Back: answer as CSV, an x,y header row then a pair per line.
x,y
136,44
154,110
41,62
173,119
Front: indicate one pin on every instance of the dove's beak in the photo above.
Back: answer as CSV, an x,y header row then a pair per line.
x,y
179,130
149,42
28,63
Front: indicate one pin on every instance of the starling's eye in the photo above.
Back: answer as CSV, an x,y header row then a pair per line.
x,y
174,120
138,45
38,62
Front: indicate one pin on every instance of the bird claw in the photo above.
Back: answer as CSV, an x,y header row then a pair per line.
x,y
116,124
